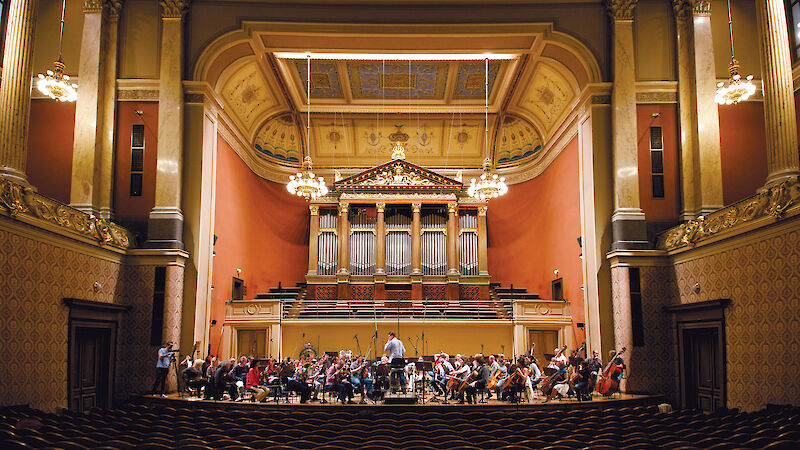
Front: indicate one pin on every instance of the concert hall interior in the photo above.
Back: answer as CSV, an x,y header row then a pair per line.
x,y
501,177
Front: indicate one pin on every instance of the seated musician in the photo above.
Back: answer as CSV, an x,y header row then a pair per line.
x,y
223,382
582,381
297,383
442,369
252,382
460,373
503,368
336,382
193,378
512,385
360,377
560,383
535,372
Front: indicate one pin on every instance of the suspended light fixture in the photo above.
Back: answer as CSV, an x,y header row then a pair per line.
x,y
305,183
735,90
55,84
489,185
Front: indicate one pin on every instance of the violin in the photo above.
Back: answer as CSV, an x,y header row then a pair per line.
x,y
608,383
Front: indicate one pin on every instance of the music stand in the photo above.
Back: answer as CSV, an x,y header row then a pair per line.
x,y
424,366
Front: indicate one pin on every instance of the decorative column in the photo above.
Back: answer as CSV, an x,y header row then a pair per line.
x,y
628,225
15,89
313,240
93,145
416,255
343,275
483,260
380,253
705,155
779,107
452,251
165,227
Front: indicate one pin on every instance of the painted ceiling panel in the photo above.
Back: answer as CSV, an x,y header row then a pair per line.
x,y
547,96
471,79
397,79
517,141
248,94
325,82
279,140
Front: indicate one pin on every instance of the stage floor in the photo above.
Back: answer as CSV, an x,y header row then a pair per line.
x,y
598,401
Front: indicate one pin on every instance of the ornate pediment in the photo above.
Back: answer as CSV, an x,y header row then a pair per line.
x,y
397,175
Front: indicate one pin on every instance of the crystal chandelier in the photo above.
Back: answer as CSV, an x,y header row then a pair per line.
x,y
735,90
56,84
305,183
489,185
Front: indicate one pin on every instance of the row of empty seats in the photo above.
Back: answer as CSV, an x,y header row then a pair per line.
x,y
775,427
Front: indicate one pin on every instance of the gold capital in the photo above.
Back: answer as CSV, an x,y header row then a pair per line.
x,y
114,9
381,206
314,210
416,207
452,207
682,8
621,9
702,7
343,207
174,9
482,210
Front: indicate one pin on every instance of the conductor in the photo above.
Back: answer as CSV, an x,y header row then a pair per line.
x,y
395,348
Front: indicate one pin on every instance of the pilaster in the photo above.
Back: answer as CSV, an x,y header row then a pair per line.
x,y
452,251
165,228
343,275
483,259
380,252
628,224
416,256
313,239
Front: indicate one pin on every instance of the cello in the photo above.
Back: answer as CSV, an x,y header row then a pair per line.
x,y
609,383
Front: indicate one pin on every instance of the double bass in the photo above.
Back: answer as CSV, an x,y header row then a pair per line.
x,y
608,383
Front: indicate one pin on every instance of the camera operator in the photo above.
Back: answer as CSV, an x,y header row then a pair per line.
x,y
165,355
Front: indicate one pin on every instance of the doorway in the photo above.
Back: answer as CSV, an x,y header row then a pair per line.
x,y
544,341
702,368
252,343
89,368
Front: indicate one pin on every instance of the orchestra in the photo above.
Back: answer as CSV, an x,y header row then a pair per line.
x,y
469,379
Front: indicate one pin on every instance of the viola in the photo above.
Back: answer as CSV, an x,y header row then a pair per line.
x,y
608,384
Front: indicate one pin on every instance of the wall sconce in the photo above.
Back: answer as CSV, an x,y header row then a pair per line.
x,y
555,272
96,286
696,288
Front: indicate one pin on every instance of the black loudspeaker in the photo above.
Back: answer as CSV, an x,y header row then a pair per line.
x,y
580,324
580,241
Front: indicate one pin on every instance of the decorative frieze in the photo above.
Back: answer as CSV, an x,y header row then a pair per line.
x,y
701,8
24,202
772,202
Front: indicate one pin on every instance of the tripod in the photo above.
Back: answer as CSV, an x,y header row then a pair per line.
x,y
174,365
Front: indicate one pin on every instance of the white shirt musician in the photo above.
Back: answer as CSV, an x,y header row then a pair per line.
x,y
394,347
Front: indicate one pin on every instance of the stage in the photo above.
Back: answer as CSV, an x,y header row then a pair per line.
x,y
598,402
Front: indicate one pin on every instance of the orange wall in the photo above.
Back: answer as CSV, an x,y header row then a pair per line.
x,y
533,230
261,229
744,154
49,165
126,208
665,209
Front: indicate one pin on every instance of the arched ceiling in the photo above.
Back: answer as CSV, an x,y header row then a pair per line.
x,y
365,94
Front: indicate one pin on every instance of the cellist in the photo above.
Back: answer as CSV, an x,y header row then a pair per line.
x,y
558,383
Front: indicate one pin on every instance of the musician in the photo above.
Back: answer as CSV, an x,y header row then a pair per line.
x,y
508,388
252,380
239,373
560,357
321,369
165,355
211,369
193,378
396,350
560,383
535,373
582,381
619,363
442,369
360,377
223,381
460,373
336,382
503,368
297,383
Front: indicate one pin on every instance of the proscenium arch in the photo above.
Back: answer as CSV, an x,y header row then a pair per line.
x,y
560,51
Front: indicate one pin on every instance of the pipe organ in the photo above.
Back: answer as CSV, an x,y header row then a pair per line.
x,y
398,227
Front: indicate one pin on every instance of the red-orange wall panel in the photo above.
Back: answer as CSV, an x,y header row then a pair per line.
x,y
744,153
665,209
260,228
127,208
533,230
50,135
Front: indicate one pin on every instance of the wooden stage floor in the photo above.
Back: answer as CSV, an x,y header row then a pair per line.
x,y
598,402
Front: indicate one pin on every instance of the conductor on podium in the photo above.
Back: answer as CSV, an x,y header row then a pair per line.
x,y
394,347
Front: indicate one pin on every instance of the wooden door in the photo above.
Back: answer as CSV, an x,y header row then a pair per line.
x,y
252,343
703,372
545,340
90,369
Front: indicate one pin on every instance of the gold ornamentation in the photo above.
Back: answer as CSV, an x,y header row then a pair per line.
x,y
702,7
343,207
398,151
174,9
93,6
772,202
19,200
398,176
416,207
621,9
385,196
314,210
452,207
114,9
381,206
482,210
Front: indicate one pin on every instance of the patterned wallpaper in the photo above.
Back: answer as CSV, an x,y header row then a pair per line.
x,y
34,328
762,324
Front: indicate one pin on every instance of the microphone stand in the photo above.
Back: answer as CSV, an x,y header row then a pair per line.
x,y
424,372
